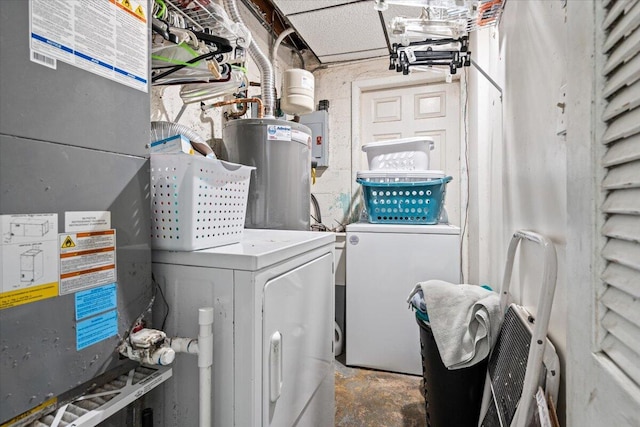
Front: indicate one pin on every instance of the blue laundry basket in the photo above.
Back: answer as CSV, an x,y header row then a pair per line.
x,y
404,202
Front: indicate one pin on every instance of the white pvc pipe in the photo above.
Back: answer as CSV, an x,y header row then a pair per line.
x,y
276,44
205,361
184,345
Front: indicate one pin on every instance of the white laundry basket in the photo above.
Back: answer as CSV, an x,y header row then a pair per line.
x,y
197,202
399,154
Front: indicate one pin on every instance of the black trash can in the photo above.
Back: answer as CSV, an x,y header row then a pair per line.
x,y
452,397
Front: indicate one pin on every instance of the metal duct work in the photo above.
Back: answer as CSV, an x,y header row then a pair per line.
x,y
267,78
162,130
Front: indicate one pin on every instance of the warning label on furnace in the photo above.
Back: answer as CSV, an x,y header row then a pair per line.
x,y
87,260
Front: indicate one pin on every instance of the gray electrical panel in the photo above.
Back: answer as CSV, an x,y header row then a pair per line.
x,y
70,140
318,122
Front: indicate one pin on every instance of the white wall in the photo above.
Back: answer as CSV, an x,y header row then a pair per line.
x,y
334,186
518,162
485,153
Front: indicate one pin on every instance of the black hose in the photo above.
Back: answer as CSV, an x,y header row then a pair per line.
x,y
147,417
316,209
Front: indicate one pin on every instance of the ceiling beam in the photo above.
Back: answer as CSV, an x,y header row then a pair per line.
x,y
273,21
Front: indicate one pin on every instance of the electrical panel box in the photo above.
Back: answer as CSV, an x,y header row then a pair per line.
x,y
318,122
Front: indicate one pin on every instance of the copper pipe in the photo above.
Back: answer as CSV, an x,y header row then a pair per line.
x,y
240,113
242,101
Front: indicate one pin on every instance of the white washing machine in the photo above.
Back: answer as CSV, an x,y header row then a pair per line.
x,y
384,263
273,299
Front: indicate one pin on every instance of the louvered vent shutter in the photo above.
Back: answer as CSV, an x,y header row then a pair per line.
x,y
621,299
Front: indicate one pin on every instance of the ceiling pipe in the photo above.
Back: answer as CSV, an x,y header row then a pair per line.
x,y
267,76
276,44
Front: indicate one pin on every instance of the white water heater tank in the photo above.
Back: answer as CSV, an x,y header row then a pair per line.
x,y
297,92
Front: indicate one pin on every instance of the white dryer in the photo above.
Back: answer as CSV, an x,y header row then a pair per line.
x,y
384,263
273,299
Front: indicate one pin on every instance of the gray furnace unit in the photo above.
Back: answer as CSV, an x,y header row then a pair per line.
x,y
70,140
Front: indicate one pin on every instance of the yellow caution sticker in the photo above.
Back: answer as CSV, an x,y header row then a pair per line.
x,y
127,4
68,243
140,11
47,405
27,295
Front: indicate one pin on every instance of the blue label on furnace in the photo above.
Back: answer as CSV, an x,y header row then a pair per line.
x,y
96,329
96,300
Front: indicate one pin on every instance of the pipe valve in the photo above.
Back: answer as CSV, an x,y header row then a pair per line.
x,y
149,346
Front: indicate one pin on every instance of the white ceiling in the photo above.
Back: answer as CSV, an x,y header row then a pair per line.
x,y
342,30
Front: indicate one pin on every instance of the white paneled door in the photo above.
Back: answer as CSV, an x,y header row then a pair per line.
x,y
418,110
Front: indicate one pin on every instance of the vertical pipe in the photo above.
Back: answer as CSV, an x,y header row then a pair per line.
x,y
267,76
205,361
276,44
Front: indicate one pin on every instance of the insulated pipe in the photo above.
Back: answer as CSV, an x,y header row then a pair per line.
x,y
267,77
276,44
205,361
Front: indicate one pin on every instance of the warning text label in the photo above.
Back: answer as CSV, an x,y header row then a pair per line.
x,y
87,260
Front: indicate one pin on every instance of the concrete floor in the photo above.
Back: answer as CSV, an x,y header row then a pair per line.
x,y
366,398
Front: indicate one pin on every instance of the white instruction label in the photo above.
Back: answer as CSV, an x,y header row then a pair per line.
x,y
307,82
87,221
28,258
299,136
278,133
87,260
104,37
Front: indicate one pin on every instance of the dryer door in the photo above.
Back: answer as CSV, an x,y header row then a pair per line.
x,y
297,351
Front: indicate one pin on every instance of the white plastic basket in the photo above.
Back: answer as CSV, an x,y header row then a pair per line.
x,y
197,202
399,176
399,154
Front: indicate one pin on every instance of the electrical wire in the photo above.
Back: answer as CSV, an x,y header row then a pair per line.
x,y
316,208
166,304
318,226
138,320
465,109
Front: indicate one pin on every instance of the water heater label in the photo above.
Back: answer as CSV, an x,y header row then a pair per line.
x,y
307,82
28,258
299,136
96,329
278,133
96,300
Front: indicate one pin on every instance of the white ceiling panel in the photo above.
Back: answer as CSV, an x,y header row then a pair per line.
x,y
354,56
350,28
288,7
